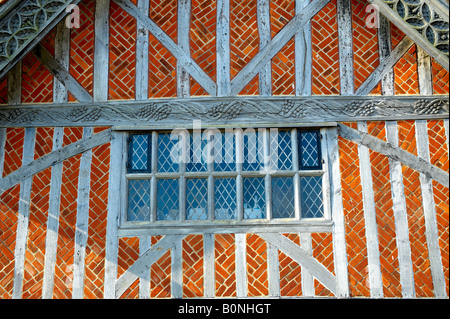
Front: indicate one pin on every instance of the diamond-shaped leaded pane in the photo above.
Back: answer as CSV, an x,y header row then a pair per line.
x,y
225,198
280,150
167,199
253,150
283,197
310,157
254,198
196,199
197,154
169,151
224,152
311,196
140,153
138,200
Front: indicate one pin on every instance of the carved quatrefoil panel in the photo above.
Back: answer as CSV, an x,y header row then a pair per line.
x,y
28,19
419,15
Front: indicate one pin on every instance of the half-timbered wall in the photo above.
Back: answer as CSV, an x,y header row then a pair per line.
x,y
393,241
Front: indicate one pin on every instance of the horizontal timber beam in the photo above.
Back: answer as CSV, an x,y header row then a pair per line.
x,y
128,229
53,158
226,111
394,153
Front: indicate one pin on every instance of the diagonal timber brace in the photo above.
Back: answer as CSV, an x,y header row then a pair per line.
x,y
53,158
303,258
182,57
143,264
394,153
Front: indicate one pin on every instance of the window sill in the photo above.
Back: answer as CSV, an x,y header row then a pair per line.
x,y
129,229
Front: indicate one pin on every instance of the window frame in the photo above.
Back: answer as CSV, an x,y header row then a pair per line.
x,y
240,224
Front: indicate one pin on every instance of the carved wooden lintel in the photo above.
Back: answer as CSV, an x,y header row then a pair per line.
x,y
250,111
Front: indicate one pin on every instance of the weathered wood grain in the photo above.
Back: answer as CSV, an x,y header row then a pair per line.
x,y
408,159
58,156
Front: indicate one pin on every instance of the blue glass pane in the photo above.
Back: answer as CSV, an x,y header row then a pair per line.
x,y
138,200
310,157
167,199
253,150
283,197
196,199
225,198
281,150
254,198
140,153
311,196
197,162
168,152
224,152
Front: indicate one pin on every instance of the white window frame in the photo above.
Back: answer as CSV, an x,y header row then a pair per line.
x,y
238,225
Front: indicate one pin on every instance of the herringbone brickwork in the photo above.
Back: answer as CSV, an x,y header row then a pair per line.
x,y
193,259
162,64
122,57
257,277
384,216
365,45
244,41
225,265
37,82
203,40
440,78
423,284
9,206
40,191
322,246
128,254
405,70
354,218
439,157
98,203
82,47
37,87
325,51
290,272
160,274
283,64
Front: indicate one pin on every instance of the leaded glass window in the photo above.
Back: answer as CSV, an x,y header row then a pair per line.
x,y
245,176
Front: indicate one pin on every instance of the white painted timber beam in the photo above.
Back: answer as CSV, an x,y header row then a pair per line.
x,y
345,32
101,50
62,74
33,167
408,159
144,262
265,54
300,256
385,66
179,53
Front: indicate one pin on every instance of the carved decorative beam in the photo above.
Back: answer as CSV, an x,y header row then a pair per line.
x,y
423,22
25,25
222,112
